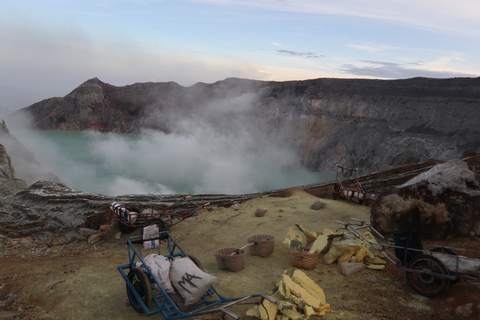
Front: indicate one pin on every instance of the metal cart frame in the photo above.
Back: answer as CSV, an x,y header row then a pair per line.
x,y
339,190
171,306
129,220
428,272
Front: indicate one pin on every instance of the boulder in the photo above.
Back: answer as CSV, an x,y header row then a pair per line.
x,y
440,202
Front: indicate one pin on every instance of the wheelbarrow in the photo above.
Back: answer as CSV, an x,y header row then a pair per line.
x,y
140,282
132,217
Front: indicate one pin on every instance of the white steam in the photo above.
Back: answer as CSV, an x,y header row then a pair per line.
x,y
217,148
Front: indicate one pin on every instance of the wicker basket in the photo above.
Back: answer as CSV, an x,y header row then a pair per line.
x,y
304,260
311,240
263,245
230,259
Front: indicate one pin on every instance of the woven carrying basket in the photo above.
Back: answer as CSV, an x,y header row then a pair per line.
x,y
311,240
304,260
263,245
228,261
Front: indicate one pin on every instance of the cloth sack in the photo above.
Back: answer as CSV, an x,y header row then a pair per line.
x,y
150,232
189,280
160,269
123,213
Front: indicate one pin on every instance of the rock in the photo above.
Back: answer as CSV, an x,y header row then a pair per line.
x,y
294,112
105,227
349,268
318,205
260,212
118,235
236,206
372,279
437,203
464,310
94,238
52,283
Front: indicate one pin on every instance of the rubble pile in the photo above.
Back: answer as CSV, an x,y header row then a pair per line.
x,y
353,249
298,297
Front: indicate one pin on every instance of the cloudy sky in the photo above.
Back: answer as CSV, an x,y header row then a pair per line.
x,y
49,47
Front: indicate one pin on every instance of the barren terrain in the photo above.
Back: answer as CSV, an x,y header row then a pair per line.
x,y
81,281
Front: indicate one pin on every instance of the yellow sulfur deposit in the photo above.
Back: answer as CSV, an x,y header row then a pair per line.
x,y
298,297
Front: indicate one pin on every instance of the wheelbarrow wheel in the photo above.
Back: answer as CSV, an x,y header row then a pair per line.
x,y
446,251
196,261
141,284
125,229
426,276
162,225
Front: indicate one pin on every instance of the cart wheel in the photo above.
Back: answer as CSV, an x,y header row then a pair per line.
x,y
141,283
162,225
446,251
196,261
426,279
125,229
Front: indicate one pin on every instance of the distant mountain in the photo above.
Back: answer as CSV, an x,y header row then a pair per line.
x,y
369,124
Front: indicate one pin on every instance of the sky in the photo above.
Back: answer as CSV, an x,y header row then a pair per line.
x,y
49,47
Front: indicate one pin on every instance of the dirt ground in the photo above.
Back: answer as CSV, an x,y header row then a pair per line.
x,y
81,281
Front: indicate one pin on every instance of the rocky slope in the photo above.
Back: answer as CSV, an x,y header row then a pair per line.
x,y
369,124
51,210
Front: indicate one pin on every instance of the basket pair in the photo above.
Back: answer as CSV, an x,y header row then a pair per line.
x,y
234,259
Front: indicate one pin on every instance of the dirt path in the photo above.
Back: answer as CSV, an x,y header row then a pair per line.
x,y
81,281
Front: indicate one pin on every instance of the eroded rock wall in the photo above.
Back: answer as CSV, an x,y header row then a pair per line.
x,y
369,124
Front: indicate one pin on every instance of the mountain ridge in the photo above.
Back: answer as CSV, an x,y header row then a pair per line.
x,y
367,123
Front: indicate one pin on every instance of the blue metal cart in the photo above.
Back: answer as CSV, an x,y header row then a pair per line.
x,y
145,300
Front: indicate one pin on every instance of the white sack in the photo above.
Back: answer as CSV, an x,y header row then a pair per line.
x,y
189,280
150,232
160,268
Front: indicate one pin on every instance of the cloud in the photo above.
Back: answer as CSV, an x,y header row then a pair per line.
x,y
372,48
217,147
390,70
438,15
299,54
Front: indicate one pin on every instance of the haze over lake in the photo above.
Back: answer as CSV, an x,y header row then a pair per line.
x,y
156,163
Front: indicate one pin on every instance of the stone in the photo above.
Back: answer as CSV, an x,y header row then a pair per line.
x,y
440,202
260,212
464,310
318,205
349,268
105,227
94,238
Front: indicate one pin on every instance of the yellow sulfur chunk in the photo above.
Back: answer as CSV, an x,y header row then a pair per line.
x,y
308,284
375,260
362,253
308,311
254,312
292,235
319,244
332,255
268,310
345,257
298,291
376,266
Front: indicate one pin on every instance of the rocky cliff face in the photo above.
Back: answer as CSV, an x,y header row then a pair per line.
x,y
369,124
50,209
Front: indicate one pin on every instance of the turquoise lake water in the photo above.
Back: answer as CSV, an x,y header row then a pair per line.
x,y
116,164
